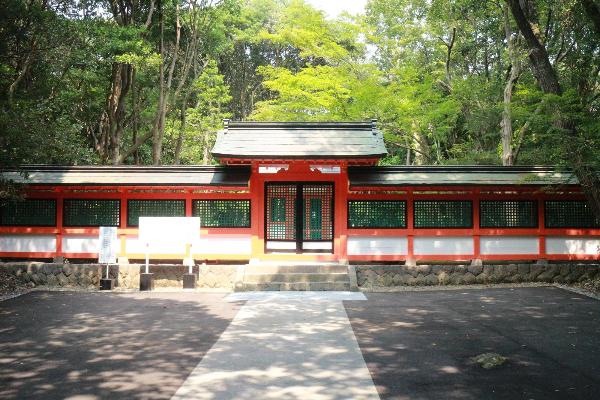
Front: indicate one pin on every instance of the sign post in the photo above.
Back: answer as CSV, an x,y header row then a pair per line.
x,y
107,254
169,235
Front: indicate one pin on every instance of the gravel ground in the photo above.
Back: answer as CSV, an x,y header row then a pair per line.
x,y
11,286
592,285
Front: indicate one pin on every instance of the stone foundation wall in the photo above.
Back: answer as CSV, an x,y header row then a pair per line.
x,y
209,276
82,276
87,276
217,276
370,276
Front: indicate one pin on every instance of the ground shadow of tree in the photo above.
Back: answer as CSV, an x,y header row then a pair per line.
x,y
97,345
418,345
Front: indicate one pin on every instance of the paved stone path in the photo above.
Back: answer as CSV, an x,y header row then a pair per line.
x,y
284,345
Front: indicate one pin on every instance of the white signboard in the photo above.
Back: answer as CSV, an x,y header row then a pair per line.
x,y
108,245
175,232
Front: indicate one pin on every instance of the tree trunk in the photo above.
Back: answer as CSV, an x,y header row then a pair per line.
x,y
112,127
157,129
506,133
165,87
548,81
593,12
538,56
182,126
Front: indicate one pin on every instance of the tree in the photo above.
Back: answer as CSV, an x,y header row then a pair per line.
x,y
202,121
566,125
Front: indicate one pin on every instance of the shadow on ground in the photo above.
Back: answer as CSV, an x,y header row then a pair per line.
x,y
96,345
418,345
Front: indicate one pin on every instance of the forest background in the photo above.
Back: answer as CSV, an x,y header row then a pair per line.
x,y
509,82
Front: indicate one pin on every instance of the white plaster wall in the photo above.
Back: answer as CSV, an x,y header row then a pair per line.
x,y
209,244
27,243
573,245
509,245
443,245
317,246
81,244
377,245
280,245
224,244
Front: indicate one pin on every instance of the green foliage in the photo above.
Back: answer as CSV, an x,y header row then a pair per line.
x,y
433,72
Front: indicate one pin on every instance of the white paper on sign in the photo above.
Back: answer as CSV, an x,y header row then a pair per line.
x,y
169,232
108,245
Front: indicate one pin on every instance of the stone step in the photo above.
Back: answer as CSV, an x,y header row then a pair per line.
x,y
298,269
296,277
296,286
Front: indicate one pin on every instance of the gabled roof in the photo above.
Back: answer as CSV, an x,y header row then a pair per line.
x,y
458,175
299,140
129,175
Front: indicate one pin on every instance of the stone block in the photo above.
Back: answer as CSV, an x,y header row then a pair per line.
x,y
431,280
456,278
447,268
52,280
511,269
387,280
542,261
524,270
489,269
482,278
476,267
67,269
564,269
516,278
411,280
536,270
460,269
412,270
424,269
443,278
469,278
62,279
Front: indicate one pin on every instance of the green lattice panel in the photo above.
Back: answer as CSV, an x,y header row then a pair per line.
x,y
317,209
377,214
569,214
222,213
508,214
153,208
443,214
315,220
30,212
278,209
280,212
88,212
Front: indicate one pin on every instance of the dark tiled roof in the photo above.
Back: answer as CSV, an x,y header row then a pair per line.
x,y
129,175
457,175
314,140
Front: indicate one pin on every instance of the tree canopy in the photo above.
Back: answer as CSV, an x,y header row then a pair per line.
x,y
450,82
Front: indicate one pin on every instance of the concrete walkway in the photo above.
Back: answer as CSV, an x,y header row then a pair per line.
x,y
284,345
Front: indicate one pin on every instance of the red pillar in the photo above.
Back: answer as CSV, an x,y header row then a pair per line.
x,y
410,226
476,236
59,223
541,228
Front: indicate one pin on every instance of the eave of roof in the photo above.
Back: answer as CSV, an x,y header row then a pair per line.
x,y
458,175
238,176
